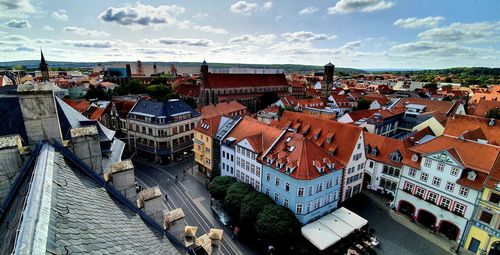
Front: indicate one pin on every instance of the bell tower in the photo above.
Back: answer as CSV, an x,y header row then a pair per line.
x,y
44,68
204,98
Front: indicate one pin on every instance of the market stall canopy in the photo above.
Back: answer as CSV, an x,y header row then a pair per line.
x,y
350,218
319,235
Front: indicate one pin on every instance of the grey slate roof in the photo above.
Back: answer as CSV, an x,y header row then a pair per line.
x,y
73,214
167,109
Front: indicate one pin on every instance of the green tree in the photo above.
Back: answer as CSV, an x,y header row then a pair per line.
x,y
132,87
363,104
234,195
431,85
277,225
448,79
219,186
252,205
96,93
159,92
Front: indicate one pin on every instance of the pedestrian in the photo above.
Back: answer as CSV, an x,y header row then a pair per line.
x,y
166,197
183,174
176,178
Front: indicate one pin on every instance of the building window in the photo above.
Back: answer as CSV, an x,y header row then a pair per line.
x,y
445,203
287,186
319,187
436,181
459,209
268,177
257,171
494,198
412,172
420,192
424,176
486,217
238,161
464,191
427,163
300,192
277,181
285,203
232,158
408,187
310,191
432,197
440,167
298,209
450,186
276,198
267,191
454,171
371,164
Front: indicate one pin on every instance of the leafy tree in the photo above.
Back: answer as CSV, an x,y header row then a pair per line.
x,y
277,225
431,85
252,205
219,186
493,113
363,104
234,195
132,87
158,92
448,79
96,92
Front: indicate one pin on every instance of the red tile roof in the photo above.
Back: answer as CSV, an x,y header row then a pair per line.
x,y
344,136
123,106
214,81
382,100
385,146
188,90
209,126
95,113
357,115
249,127
225,108
303,156
79,105
458,125
444,107
484,106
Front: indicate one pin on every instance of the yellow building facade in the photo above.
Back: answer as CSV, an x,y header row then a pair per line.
x,y
484,234
203,151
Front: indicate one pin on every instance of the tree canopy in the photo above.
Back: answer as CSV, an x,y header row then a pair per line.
x,y
234,195
219,186
252,205
363,104
277,225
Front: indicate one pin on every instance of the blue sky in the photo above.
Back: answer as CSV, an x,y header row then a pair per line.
x,y
350,33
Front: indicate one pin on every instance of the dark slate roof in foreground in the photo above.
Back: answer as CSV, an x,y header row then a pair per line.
x,y
73,214
11,117
167,109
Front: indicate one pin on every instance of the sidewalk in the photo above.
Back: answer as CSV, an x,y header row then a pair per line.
x,y
437,239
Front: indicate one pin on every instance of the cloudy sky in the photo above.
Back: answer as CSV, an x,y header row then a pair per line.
x,y
350,33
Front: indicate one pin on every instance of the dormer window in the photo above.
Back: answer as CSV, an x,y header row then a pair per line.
x,y
471,176
395,157
414,157
375,151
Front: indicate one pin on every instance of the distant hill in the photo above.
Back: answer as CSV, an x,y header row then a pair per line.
x,y
33,64
454,70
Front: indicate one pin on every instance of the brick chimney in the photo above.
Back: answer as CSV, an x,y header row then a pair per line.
x,y
174,221
10,163
122,177
85,144
152,201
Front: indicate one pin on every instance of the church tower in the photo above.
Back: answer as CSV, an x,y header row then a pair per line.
x,y
44,68
154,68
204,98
327,83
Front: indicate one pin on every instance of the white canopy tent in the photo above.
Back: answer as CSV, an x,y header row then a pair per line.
x,y
331,228
350,218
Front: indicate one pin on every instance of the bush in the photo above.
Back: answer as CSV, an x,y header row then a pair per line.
x,y
219,186
234,196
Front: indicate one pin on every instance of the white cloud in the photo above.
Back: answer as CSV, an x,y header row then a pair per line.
x,y
255,39
60,15
85,32
176,41
243,7
201,15
464,32
418,23
278,17
267,5
14,23
47,28
103,44
210,29
350,46
155,51
308,10
15,8
305,36
235,49
16,38
141,15
348,6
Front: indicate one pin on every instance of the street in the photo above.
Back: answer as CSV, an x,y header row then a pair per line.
x,y
189,194
395,238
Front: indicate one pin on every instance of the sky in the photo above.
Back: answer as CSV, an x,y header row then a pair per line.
x,y
349,33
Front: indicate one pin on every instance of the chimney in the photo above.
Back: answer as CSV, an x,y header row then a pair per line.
x,y
174,222
152,200
189,235
85,144
216,236
39,112
10,163
205,242
122,177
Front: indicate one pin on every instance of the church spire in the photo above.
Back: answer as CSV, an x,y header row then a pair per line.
x,y
44,67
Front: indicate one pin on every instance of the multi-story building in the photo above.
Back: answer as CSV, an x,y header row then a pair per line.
x,y
163,130
203,143
484,235
343,141
242,147
442,180
302,176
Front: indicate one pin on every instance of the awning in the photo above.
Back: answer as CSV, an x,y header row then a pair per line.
x,y
340,227
350,218
319,235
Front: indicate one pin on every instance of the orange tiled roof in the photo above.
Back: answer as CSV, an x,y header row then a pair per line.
x,y
95,113
484,96
303,155
380,98
444,107
484,106
209,126
344,140
79,105
385,146
457,125
216,80
249,127
226,108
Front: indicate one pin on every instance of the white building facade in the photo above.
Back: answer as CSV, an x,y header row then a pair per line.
x,y
354,171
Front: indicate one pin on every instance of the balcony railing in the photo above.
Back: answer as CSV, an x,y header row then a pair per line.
x,y
182,146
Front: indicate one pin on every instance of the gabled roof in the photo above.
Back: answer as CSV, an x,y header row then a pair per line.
x,y
72,213
215,80
249,127
443,107
166,109
209,126
458,125
301,155
225,108
484,106
466,151
385,146
345,136
79,105
188,90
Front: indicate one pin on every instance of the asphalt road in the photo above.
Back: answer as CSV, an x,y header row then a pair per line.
x,y
395,238
189,194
